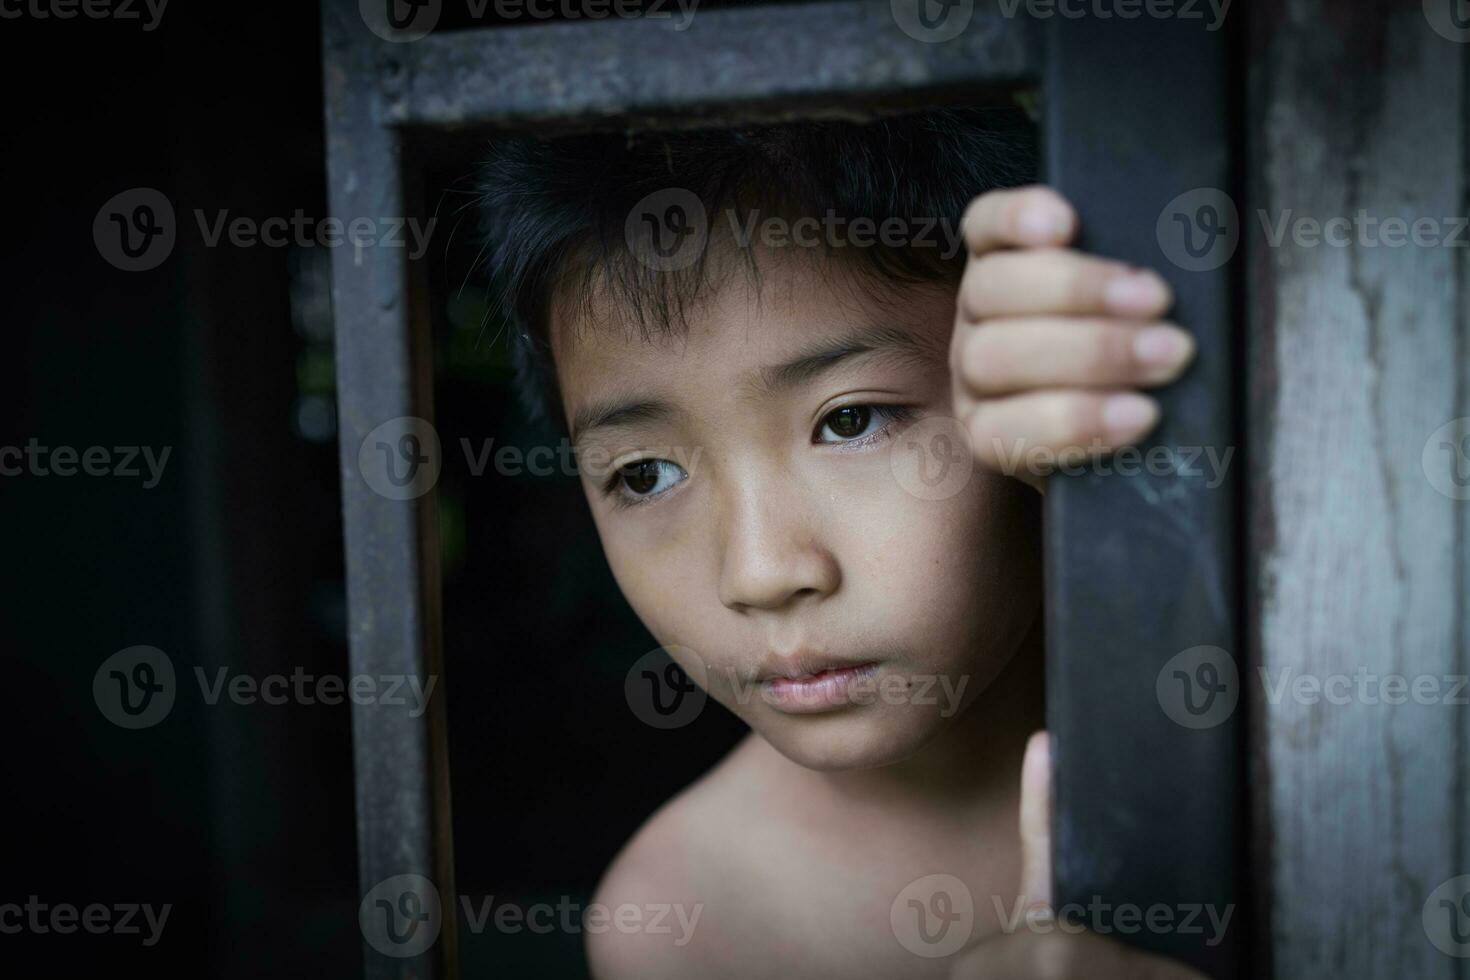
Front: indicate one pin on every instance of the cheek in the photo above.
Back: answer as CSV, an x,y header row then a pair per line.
x,y
660,572
959,575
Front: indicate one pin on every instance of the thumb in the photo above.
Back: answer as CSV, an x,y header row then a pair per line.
x,y
1036,822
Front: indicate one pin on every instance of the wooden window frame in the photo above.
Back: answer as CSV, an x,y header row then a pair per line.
x,y
1139,566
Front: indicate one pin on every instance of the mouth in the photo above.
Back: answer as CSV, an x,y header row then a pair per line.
x,y
806,689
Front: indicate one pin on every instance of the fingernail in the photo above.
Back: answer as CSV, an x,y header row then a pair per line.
x,y
1161,346
1128,414
1134,291
1041,224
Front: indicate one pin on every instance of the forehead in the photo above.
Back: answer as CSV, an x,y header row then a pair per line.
x,y
738,321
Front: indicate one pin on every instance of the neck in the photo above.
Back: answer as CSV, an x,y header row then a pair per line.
x,y
976,761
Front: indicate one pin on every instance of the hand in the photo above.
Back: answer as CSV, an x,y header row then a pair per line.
x,y
1049,343
1053,954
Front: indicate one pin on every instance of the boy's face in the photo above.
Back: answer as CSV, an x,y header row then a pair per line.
x,y
752,490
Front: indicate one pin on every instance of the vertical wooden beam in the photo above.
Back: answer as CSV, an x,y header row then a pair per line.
x,y
389,461
1358,355
1141,566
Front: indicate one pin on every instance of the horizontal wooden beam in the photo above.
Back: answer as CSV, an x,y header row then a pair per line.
x,y
841,52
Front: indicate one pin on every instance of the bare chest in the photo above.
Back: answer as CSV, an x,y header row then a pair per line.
x,y
896,904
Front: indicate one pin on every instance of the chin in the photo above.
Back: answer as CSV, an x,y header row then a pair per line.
x,y
857,738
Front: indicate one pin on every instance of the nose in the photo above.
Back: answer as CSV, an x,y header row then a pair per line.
x,y
773,554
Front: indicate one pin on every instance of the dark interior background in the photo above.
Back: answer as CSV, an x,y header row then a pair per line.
x,y
241,816
551,769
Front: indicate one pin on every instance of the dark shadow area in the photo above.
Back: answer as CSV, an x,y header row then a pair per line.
x,y
551,769
235,813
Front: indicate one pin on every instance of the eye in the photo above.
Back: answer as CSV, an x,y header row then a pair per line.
x,y
644,479
854,423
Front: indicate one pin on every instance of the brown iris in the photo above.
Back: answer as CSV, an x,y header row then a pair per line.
x,y
641,477
849,422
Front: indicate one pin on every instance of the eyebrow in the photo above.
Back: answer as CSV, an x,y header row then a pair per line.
x,y
617,412
824,355
808,364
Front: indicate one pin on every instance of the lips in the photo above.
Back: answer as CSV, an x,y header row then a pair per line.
x,y
804,664
807,684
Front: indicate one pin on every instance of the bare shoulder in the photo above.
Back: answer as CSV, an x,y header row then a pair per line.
x,y
675,883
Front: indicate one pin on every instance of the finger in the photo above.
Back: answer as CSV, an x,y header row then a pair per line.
x,y
1020,216
1036,821
1032,432
1001,357
1059,281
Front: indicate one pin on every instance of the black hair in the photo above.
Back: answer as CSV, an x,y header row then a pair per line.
x,y
556,212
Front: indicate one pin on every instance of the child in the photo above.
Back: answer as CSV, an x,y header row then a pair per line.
x,y
768,346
